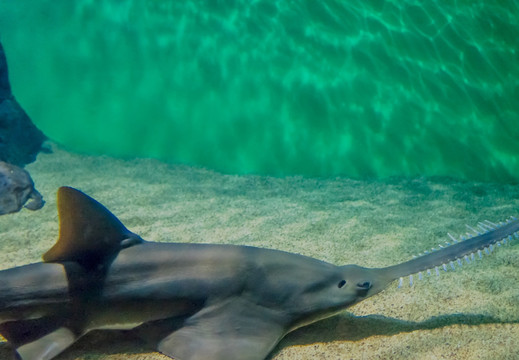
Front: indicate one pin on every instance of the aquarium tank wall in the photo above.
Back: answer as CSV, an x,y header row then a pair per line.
x,y
363,89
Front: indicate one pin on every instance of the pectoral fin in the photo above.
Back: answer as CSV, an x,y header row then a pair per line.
x,y
235,330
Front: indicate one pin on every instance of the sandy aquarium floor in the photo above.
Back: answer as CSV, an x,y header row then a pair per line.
x,y
470,313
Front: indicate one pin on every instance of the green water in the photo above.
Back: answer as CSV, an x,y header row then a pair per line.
x,y
319,88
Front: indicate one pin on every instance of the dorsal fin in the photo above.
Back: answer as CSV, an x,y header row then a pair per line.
x,y
89,233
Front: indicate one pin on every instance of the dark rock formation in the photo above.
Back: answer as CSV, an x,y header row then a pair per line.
x,y
16,188
20,140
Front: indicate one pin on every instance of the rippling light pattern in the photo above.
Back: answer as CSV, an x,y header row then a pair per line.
x,y
361,88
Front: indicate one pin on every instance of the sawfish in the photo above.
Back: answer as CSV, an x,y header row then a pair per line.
x,y
192,301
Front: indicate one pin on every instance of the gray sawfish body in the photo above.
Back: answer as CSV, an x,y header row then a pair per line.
x,y
191,301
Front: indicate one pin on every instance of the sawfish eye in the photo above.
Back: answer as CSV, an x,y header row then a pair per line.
x,y
341,283
364,286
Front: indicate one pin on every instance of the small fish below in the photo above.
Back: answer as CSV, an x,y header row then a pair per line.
x,y
17,190
190,301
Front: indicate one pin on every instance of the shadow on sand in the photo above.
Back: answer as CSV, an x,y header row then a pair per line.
x,y
345,327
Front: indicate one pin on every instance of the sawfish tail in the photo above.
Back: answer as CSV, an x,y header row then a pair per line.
x,y
486,236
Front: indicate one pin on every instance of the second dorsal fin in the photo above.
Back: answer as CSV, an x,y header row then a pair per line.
x,y
89,233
